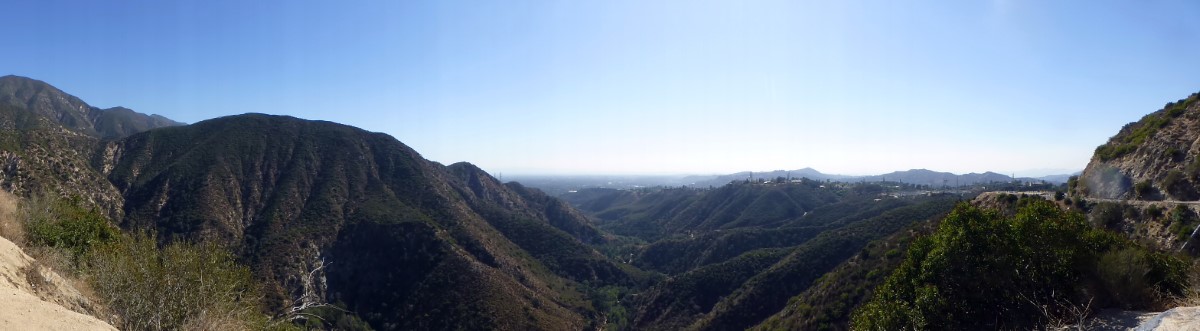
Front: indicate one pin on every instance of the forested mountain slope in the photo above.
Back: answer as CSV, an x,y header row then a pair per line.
x,y
408,243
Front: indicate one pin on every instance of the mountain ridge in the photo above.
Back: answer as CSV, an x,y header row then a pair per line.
x,y
403,236
73,113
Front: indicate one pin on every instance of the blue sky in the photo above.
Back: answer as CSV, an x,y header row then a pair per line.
x,y
652,87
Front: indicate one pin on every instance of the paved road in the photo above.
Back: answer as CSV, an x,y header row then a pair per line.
x,y
1145,202
1049,195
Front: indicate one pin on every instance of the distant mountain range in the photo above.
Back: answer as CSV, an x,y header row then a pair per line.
x,y
809,173
913,176
558,185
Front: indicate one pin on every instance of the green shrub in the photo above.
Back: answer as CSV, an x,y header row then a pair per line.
x,y
1154,211
1177,185
66,225
181,286
1107,215
1182,222
980,270
1143,190
1129,141
1176,111
1193,169
1129,276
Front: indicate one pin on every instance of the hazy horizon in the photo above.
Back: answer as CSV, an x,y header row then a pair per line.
x,y
623,87
1029,173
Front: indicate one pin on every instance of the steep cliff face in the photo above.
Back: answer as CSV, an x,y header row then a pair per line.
x,y
408,243
1155,158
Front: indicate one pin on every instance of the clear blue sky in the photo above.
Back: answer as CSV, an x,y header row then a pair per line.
x,y
600,87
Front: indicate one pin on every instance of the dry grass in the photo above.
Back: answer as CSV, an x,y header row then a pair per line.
x,y
206,320
1192,297
11,226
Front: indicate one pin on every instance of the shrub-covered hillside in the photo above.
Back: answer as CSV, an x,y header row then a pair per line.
x,y
981,270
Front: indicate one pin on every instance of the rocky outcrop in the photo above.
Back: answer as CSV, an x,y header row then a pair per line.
x,y
1155,158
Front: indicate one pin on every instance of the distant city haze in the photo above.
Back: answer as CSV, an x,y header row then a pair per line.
x,y
643,87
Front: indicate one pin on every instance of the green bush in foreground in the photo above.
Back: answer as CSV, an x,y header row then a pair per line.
x,y
181,286
65,225
980,270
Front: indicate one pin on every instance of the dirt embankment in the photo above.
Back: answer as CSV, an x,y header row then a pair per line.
x,y
34,297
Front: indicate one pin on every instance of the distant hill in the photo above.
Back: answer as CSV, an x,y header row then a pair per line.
x,y
938,179
664,212
557,185
1059,179
913,176
809,173
737,253
72,113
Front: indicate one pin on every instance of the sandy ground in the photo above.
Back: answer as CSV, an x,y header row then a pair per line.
x,y
1113,320
23,311
1181,318
1177,319
35,298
